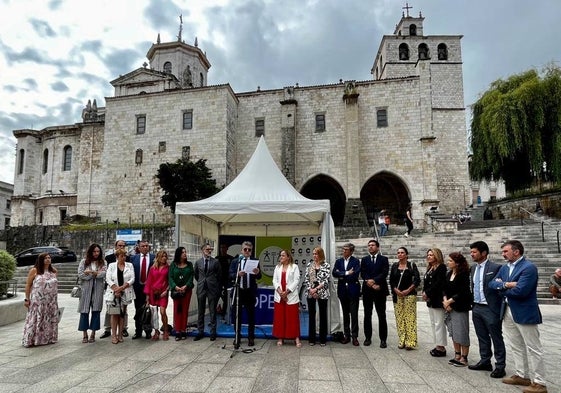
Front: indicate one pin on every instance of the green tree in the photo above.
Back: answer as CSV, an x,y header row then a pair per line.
x,y
7,269
185,181
516,129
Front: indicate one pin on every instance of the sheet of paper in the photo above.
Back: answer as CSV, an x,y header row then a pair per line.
x,y
250,264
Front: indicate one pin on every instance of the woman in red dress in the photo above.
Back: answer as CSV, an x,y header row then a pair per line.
x,y
286,319
156,290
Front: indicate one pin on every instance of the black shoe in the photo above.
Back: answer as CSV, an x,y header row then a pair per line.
x,y
383,344
498,373
213,337
177,337
482,366
105,334
437,353
345,340
125,333
198,337
251,342
355,342
137,335
148,336
367,342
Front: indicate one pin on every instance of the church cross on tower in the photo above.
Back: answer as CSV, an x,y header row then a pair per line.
x,y
407,8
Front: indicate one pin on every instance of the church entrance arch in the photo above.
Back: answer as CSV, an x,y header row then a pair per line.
x,y
385,191
325,187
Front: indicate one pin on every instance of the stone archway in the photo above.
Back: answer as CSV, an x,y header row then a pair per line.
x,y
385,191
325,187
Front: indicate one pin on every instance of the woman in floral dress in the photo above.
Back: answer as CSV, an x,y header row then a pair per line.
x,y
41,300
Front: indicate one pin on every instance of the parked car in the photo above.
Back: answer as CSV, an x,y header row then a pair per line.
x,y
58,255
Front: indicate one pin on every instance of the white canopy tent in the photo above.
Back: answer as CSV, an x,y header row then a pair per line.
x,y
258,202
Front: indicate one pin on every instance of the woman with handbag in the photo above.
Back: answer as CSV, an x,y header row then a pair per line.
x,y
404,280
91,272
181,274
119,294
318,273
156,290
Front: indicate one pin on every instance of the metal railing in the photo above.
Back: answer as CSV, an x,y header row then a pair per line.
x,y
540,219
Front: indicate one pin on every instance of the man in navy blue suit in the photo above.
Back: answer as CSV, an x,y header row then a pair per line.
x,y
517,282
374,269
486,311
346,270
141,263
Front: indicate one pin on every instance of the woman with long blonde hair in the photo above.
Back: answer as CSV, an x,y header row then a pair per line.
x,y
433,288
286,319
157,289
316,285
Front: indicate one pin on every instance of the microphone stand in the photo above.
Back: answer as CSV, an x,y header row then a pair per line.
x,y
236,296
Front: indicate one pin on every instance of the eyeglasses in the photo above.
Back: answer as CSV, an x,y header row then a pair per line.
x,y
209,249
247,249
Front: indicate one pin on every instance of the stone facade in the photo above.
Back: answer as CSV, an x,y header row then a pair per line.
x,y
6,192
385,142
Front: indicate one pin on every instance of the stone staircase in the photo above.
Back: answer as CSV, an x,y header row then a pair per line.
x,y
67,273
544,254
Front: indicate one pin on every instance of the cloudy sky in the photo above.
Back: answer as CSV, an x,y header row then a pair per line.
x,y
57,54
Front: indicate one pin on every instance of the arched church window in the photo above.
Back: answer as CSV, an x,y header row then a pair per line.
x,y
45,160
167,67
424,52
442,52
202,79
67,158
404,52
412,29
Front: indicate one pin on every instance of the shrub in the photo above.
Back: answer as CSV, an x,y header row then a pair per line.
x,y
7,269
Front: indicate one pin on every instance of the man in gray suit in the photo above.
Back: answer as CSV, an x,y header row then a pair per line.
x,y
208,276
486,311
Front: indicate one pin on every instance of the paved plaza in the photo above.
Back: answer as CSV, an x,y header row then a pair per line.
x,y
205,366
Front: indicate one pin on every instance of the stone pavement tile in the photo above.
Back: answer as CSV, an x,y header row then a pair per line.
x,y
12,387
396,371
89,389
114,376
144,383
59,381
248,364
361,378
213,354
173,363
394,387
310,386
232,384
277,379
318,368
195,378
348,356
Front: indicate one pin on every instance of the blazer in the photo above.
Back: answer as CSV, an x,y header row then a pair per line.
x,y
403,280
347,284
494,298
459,290
376,270
292,283
522,299
128,276
92,288
234,267
136,261
433,286
322,277
209,283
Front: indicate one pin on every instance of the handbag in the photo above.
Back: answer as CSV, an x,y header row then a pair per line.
x,y
177,295
77,290
109,296
146,318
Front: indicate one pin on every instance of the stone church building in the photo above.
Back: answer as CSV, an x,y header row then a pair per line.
x,y
396,139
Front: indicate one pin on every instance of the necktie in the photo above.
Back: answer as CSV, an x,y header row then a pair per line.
x,y
244,281
476,282
373,258
206,266
143,269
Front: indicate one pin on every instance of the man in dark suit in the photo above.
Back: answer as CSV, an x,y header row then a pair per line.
x,y
486,312
224,259
208,275
347,270
247,292
141,263
374,269
517,281
119,244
